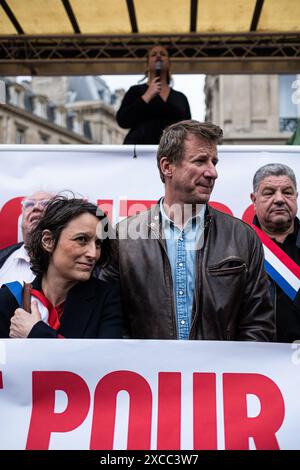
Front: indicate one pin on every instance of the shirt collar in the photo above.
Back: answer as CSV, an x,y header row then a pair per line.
x,y
21,253
195,219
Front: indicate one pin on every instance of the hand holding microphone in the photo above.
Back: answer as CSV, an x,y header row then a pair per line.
x,y
154,87
158,68
156,81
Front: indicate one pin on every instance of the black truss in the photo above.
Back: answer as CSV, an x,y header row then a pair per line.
x,y
192,53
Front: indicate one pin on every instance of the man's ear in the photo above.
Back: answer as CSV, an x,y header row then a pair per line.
x,y
166,167
47,241
253,198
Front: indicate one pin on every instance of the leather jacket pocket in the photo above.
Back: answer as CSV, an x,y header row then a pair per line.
x,y
231,265
226,280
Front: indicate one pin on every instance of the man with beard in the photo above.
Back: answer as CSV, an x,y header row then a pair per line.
x,y
275,201
188,271
14,259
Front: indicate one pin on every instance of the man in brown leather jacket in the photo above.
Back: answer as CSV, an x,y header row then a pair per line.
x,y
188,271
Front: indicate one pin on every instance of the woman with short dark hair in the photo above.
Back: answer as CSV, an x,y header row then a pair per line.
x,y
69,242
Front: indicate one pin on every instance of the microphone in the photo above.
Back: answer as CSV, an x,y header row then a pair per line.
x,y
158,67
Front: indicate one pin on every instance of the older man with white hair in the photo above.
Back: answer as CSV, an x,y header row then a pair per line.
x,y
14,259
275,201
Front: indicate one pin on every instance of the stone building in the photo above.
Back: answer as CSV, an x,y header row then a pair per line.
x,y
60,110
88,99
252,109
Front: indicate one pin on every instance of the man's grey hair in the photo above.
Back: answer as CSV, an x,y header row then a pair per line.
x,y
273,169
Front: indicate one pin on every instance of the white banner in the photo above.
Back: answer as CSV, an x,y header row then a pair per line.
x,y
121,394
122,179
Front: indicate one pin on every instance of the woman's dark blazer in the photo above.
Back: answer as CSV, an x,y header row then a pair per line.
x,y
92,310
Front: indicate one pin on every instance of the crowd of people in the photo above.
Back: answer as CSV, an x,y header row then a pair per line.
x,y
194,273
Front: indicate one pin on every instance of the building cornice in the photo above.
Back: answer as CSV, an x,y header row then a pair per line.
x,y
43,122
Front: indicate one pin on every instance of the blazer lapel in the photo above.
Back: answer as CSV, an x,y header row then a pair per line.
x,y
78,309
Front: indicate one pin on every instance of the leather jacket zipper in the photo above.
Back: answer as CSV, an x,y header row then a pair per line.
x,y
219,270
198,279
171,283
199,276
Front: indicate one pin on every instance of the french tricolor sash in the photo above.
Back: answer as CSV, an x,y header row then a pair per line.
x,y
48,313
279,266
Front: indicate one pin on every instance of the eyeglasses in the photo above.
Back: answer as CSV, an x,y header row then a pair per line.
x,y
30,203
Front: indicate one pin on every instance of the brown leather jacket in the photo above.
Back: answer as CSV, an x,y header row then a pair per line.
x,y
232,301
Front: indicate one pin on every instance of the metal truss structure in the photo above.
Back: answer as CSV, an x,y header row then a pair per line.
x,y
79,54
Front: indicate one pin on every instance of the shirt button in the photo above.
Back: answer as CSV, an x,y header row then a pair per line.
x,y
182,322
181,292
180,264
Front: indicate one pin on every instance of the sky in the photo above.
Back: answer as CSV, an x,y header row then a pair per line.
x,y
191,85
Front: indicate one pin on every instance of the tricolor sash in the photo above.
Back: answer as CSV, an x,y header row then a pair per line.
x,y
48,312
279,266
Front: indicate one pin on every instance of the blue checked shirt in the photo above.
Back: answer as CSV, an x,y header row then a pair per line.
x,y
182,245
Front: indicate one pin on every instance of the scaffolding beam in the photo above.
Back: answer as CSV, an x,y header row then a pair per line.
x,y
79,54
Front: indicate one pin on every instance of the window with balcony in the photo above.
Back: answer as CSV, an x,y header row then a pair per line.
x,y
60,117
44,138
16,96
40,108
288,108
20,135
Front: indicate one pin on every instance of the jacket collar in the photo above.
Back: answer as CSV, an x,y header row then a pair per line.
x,y
154,220
79,306
6,252
296,232
154,223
